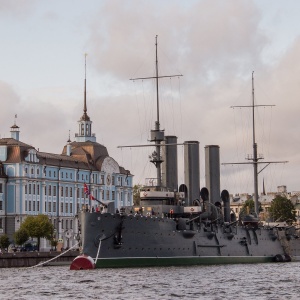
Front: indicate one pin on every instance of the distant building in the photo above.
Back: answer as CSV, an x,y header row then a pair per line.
x,y
237,201
33,182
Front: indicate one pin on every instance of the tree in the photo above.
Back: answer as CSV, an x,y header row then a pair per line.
x,y
136,194
38,226
4,241
282,209
249,207
21,236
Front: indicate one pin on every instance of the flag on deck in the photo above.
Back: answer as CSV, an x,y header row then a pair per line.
x,y
86,189
87,192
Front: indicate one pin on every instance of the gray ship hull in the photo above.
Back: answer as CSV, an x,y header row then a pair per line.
x,y
114,240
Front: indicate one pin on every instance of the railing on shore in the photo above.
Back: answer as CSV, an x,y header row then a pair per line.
x,y
30,259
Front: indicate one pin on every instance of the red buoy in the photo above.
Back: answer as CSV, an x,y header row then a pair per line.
x,y
82,262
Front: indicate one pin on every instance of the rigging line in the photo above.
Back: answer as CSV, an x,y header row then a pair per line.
x,y
172,103
145,110
270,131
181,129
137,103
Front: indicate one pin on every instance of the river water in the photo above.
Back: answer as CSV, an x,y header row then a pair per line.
x,y
255,281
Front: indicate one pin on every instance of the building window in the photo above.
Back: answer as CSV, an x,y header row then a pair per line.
x,y
45,206
49,206
54,207
82,193
33,206
33,186
29,208
67,175
1,204
113,195
38,171
71,208
54,174
61,207
71,224
38,189
32,171
25,188
25,205
62,175
71,192
67,207
62,224
1,223
102,194
113,180
26,170
49,173
45,190
49,189
54,191
67,224
29,186
102,179
67,191
38,206
77,192
71,176
107,195
62,191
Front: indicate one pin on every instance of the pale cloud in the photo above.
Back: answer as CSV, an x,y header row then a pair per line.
x,y
215,46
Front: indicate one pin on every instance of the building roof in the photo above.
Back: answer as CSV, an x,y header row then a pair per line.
x,y
84,155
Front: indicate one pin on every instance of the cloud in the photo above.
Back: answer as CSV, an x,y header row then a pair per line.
x,y
17,8
216,48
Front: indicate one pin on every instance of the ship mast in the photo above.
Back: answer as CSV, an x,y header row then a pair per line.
x,y
255,157
157,135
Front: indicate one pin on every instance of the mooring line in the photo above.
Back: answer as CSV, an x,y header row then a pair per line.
x,y
45,262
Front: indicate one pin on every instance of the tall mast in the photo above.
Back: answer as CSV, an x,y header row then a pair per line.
x,y
159,139
157,94
157,135
254,158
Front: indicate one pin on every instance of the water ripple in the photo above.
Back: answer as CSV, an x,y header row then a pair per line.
x,y
259,282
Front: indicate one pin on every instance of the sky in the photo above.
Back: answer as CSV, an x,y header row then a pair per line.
x,y
214,44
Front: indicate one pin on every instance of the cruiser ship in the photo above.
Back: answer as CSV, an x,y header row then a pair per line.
x,y
180,226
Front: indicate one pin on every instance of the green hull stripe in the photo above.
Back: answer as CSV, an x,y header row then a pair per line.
x,y
178,261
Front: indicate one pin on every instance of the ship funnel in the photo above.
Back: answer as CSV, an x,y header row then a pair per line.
x,y
212,171
226,200
192,170
169,164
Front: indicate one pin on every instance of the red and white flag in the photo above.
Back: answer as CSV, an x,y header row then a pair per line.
x,y
86,189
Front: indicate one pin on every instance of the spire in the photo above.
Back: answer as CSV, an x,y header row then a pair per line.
x,y
85,124
85,116
69,140
15,132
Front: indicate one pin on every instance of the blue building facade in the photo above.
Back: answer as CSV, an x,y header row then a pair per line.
x,y
33,182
